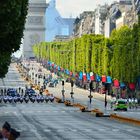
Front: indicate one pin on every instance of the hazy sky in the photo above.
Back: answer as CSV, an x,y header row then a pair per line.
x,y
73,8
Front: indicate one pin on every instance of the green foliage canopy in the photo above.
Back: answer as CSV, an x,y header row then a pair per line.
x,y
117,56
12,20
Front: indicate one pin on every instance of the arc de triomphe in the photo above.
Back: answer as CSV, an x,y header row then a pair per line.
x,y
35,26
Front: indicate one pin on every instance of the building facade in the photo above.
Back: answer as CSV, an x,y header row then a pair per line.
x,y
55,24
85,24
109,26
100,16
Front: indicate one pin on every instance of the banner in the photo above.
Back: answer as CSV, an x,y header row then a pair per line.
x,y
80,75
122,85
49,63
132,86
116,83
98,78
71,73
92,78
103,78
58,68
108,80
88,76
91,73
84,77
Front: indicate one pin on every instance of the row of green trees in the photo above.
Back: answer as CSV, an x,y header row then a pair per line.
x,y
117,56
12,20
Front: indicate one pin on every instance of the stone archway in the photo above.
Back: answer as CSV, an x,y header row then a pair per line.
x,y
35,26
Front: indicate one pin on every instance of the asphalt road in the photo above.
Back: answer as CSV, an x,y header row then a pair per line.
x,y
12,79
53,121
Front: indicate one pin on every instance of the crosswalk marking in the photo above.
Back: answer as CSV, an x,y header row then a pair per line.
x,y
38,111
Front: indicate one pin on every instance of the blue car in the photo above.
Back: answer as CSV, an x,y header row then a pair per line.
x,y
30,92
12,92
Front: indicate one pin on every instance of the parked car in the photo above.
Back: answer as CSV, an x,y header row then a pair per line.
x,y
121,104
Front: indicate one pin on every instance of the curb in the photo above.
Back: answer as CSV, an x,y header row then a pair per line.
x,y
125,119
97,113
81,107
68,103
58,100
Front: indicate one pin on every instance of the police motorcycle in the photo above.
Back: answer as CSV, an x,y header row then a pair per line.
x,y
41,99
26,99
51,97
10,99
38,98
46,99
18,97
15,99
5,99
32,99
21,99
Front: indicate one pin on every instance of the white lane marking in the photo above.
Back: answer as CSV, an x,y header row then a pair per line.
x,y
115,130
73,130
15,113
6,112
55,111
47,130
88,130
102,129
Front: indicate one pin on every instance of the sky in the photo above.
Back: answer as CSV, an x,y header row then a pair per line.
x,y
73,8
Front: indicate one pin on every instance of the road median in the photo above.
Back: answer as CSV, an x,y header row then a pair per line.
x,y
97,112
125,119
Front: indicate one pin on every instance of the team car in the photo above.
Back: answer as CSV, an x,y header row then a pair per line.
x,y
121,104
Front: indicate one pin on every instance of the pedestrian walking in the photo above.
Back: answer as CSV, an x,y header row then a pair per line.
x,y
19,89
113,100
41,91
4,91
22,91
130,103
136,103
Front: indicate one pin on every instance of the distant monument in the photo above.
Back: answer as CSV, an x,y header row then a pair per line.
x,y
35,26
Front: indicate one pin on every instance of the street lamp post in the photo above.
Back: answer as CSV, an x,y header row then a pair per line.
x,y
63,91
90,96
72,98
105,100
